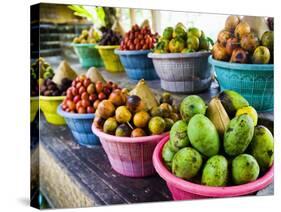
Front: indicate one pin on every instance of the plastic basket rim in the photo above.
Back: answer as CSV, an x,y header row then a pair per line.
x,y
131,52
190,187
51,98
34,98
83,44
238,66
107,46
74,115
120,139
178,55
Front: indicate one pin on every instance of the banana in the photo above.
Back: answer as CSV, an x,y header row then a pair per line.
x,y
218,115
232,101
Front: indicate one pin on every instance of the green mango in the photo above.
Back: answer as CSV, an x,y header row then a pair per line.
x,y
232,101
203,135
168,154
245,169
262,147
193,42
178,135
192,31
192,105
186,163
238,135
215,172
168,33
204,43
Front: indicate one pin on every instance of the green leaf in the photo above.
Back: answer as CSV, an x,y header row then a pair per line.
x,y
210,40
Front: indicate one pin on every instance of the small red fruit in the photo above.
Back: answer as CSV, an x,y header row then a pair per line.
x,y
76,99
81,90
102,96
74,91
93,97
85,96
96,103
86,82
69,94
85,103
79,104
78,85
81,110
90,109
70,105
99,87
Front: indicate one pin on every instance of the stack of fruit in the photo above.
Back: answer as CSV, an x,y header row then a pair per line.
x,y
128,115
109,37
237,44
49,88
88,36
84,95
34,72
181,40
139,38
219,144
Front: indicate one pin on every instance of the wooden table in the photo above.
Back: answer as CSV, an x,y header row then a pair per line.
x,y
75,176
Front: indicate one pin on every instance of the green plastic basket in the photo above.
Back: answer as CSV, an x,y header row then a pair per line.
x,y
253,81
88,55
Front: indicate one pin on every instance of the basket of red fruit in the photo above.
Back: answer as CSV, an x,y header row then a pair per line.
x,y
80,104
133,52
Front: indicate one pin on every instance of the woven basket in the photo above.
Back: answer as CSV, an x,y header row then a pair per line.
x,y
183,72
88,55
253,81
80,126
49,105
137,65
129,156
111,61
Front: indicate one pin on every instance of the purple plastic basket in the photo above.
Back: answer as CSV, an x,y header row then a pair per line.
x,y
128,156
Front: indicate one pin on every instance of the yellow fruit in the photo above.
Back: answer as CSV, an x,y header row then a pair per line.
x,y
141,119
250,111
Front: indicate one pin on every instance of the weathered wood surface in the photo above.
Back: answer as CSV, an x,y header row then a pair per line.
x,y
68,170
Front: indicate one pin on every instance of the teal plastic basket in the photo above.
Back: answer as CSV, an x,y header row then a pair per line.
x,y
253,81
88,55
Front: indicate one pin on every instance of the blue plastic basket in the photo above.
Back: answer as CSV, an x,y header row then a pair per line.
x,y
88,55
137,65
81,127
253,81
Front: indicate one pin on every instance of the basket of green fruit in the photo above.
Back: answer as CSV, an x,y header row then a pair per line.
x,y
219,150
130,125
110,41
85,47
180,59
53,92
244,62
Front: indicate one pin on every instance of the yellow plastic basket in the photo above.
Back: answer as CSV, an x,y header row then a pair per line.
x,y
49,105
34,107
110,59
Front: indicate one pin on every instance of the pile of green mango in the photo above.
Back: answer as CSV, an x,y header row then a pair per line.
x,y
182,40
202,149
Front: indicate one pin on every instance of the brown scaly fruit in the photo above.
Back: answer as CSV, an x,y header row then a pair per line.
x,y
242,28
239,56
219,52
231,44
249,42
218,115
231,22
223,36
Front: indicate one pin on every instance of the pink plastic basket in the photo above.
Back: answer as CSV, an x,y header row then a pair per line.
x,y
130,156
184,190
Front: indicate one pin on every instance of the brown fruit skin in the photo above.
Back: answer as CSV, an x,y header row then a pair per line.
x,y
219,52
98,122
141,119
231,44
239,56
243,28
223,36
249,42
134,103
106,109
166,109
231,22
123,130
117,98
138,132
